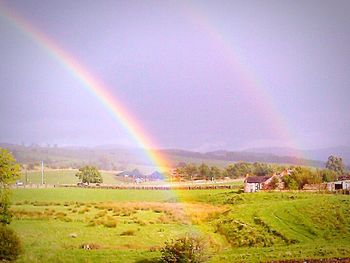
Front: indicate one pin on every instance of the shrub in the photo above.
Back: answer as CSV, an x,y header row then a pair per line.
x,y
242,234
110,223
90,246
10,245
190,248
128,233
5,213
140,222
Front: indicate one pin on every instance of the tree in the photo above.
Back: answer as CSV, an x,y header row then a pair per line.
x,y
179,173
327,175
237,170
262,169
204,171
9,172
191,171
215,172
9,168
231,171
10,246
301,176
335,164
89,174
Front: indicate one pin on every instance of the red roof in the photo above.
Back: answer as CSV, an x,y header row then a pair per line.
x,y
344,177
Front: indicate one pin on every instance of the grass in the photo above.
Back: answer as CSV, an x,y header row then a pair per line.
x,y
104,195
64,176
56,224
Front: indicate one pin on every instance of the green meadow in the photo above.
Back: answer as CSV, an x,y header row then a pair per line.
x,y
64,176
55,225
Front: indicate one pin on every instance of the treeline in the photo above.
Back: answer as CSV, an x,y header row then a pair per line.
x,y
232,171
300,176
294,179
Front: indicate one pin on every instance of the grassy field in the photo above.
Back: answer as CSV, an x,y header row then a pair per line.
x,y
132,225
64,176
67,176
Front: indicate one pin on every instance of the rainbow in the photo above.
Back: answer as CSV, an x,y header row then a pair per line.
x,y
118,110
264,102
93,85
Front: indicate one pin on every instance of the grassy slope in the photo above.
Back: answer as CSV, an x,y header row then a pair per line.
x,y
299,225
291,225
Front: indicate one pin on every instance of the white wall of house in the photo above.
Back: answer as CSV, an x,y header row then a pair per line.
x,y
345,185
251,187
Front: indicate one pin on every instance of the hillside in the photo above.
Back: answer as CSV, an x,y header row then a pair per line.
x,y
236,156
320,154
111,158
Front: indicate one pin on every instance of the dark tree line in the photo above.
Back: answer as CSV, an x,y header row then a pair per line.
x,y
232,171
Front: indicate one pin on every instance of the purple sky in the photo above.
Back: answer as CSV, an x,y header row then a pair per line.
x,y
182,69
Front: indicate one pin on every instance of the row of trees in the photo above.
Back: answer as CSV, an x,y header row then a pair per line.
x,y
301,176
241,169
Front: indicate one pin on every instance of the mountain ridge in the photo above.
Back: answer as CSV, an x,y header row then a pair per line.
x,y
278,155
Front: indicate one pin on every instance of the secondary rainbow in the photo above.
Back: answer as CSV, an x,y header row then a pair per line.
x,y
262,100
92,84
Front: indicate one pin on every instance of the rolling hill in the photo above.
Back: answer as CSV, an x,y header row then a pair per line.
x,y
115,158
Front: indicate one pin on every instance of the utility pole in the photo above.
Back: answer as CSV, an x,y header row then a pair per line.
x,y
42,172
26,182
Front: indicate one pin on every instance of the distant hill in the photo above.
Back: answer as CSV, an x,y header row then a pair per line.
x,y
113,157
235,156
321,154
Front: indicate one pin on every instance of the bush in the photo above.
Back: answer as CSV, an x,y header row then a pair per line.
x,y
189,248
90,246
10,245
5,213
241,234
128,233
301,176
110,223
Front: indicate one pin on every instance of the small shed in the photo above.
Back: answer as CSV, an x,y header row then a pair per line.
x,y
255,183
338,185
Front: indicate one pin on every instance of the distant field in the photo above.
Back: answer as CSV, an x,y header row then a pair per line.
x,y
67,176
64,176
132,225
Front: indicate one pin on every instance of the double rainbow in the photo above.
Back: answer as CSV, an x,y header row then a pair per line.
x,y
262,100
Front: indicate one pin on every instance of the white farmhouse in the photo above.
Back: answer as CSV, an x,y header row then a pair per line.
x,y
255,183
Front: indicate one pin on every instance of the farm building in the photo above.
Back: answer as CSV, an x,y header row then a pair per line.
x,y
255,183
134,174
156,176
343,183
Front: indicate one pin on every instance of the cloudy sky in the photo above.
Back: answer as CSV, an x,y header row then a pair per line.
x,y
198,75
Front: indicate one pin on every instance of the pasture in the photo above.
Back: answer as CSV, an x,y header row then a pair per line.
x,y
64,176
132,225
